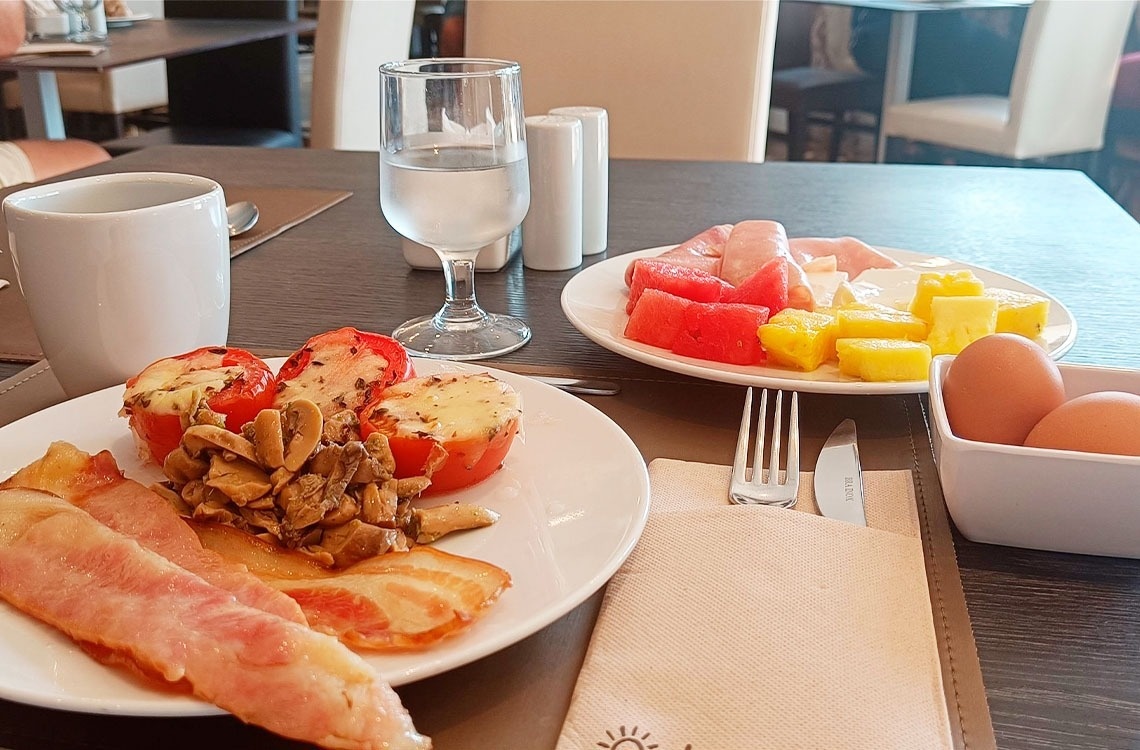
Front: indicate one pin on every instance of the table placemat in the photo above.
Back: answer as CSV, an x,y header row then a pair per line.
x,y
829,625
279,210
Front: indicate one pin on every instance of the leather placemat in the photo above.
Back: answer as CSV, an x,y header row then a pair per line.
x,y
893,434
970,719
279,209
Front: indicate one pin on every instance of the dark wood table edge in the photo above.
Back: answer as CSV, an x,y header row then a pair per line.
x,y
262,29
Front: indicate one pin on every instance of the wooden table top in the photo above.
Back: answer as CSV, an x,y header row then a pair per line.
x,y
1056,634
1053,229
161,39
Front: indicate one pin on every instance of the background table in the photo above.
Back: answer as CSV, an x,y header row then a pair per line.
x,y
1057,634
145,41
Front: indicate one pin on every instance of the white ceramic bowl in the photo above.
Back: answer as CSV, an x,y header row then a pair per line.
x,y
1065,501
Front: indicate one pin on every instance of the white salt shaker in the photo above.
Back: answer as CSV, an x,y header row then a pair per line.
x,y
595,175
552,229
97,20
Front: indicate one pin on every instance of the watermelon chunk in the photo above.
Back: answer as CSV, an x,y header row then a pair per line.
x,y
656,320
722,332
767,286
683,281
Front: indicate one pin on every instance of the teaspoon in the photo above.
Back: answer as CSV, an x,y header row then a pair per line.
x,y
241,217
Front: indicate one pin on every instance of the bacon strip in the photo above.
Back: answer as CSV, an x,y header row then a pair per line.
x,y
397,602
59,564
392,602
95,484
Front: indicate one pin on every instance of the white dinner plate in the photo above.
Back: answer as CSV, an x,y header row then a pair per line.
x,y
573,494
594,301
119,22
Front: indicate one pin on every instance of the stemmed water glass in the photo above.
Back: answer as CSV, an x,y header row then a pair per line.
x,y
453,176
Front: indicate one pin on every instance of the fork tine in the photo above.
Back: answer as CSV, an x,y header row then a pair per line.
x,y
758,451
774,459
793,473
740,461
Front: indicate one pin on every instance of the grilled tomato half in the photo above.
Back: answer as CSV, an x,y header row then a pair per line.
x,y
343,369
159,401
455,428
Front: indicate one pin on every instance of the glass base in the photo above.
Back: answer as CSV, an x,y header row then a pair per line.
x,y
491,336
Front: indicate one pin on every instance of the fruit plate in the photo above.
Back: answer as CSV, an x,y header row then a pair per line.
x,y
573,495
122,22
594,302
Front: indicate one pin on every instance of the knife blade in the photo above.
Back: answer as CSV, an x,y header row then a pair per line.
x,y
581,386
839,476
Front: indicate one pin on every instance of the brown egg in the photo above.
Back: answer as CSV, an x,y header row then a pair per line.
x,y
999,387
1104,422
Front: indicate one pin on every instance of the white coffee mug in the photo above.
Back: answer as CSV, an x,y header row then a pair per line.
x,y
120,270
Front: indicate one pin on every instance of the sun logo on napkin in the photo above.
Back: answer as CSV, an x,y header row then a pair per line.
x,y
630,741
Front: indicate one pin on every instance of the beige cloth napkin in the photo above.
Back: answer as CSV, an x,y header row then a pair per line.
x,y
756,627
58,48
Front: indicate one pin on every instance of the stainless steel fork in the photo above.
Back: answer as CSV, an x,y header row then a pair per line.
x,y
770,491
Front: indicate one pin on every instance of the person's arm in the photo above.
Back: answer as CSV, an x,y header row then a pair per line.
x,y
11,26
51,158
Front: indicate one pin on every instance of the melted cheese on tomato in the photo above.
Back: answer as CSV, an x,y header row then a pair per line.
x,y
175,386
449,407
337,378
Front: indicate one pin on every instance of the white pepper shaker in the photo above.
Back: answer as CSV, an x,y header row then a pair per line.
x,y
595,175
97,21
552,229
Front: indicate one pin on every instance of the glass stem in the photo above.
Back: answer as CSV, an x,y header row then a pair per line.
x,y
460,307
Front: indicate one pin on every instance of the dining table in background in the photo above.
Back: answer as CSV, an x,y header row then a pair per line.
x,y
900,46
155,39
1055,634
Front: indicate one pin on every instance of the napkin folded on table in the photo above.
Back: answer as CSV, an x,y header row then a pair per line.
x,y
58,48
756,627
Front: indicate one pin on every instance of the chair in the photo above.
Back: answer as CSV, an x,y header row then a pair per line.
x,y
813,95
1059,97
1119,173
110,95
247,95
354,37
682,79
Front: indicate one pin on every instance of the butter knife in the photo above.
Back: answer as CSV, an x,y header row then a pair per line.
x,y
839,477
581,386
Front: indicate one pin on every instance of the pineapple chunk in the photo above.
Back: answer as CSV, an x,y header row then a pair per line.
x,y
800,339
879,322
957,321
1020,312
943,284
883,359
